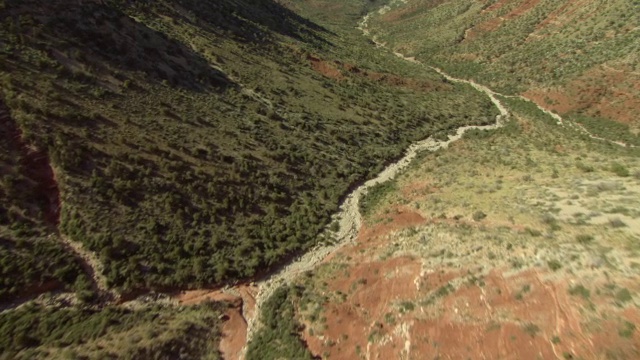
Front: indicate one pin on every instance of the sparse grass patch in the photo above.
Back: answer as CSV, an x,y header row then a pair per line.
x,y
584,239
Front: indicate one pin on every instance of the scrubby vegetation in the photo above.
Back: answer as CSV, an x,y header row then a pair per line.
x,y
278,338
191,143
31,259
155,332
375,195
565,54
177,162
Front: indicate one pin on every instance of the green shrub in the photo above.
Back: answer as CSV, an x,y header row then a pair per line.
x,y
584,239
580,290
554,265
627,330
479,215
623,296
620,170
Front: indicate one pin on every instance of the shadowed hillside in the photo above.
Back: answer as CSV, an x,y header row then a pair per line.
x,y
196,142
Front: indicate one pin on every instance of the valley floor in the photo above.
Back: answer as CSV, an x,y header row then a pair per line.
x,y
516,244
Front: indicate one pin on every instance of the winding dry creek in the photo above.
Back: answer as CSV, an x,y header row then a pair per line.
x,y
348,216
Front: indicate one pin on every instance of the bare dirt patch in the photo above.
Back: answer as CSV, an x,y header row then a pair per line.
x,y
234,333
494,23
340,71
603,91
392,220
372,288
325,68
241,300
562,15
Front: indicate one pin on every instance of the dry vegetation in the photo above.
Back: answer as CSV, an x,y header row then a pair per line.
x,y
208,148
524,224
577,57
197,143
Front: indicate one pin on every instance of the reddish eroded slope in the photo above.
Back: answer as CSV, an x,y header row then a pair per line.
x,y
563,15
382,304
340,71
603,91
241,300
584,48
34,165
494,23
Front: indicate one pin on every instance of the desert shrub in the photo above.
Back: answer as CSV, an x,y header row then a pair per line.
x,y
584,239
619,169
554,265
580,290
479,215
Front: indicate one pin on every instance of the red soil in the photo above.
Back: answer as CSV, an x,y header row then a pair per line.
x,y
241,308
603,92
495,22
404,12
366,302
563,15
234,334
496,319
418,190
325,68
396,308
340,71
397,218
497,6
35,166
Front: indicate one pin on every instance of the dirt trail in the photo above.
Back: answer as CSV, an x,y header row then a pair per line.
x,y
93,267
